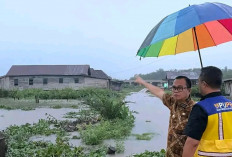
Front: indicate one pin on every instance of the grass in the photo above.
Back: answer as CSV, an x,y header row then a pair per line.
x,y
30,104
109,129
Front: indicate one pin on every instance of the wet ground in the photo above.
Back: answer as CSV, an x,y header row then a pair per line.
x,y
151,117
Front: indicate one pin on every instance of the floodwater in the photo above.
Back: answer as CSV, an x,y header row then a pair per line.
x,y
151,116
20,117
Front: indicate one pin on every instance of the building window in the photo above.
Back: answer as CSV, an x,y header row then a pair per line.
x,y
60,80
16,82
45,81
30,81
76,80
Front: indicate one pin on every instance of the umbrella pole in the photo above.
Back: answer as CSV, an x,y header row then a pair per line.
x,y
194,29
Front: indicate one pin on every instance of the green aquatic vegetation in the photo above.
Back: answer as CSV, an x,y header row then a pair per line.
x,y
74,106
28,104
109,129
82,114
109,108
100,151
144,136
5,107
27,108
76,137
72,115
19,144
120,148
161,153
56,107
107,117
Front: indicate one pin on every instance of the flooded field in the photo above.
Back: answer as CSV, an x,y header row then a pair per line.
x,y
151,117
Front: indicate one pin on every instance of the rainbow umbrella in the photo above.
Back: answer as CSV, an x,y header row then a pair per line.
x,y
190,29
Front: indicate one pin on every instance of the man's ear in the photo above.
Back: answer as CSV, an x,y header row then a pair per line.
x,y
205,84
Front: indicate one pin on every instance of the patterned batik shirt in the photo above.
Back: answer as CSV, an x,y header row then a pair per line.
x,y
179,113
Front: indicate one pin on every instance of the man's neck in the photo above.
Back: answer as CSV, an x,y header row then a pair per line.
x,y
211,91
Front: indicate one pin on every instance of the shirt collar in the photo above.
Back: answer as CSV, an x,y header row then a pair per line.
x,y
213,94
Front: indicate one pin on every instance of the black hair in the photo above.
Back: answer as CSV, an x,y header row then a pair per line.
x,y
187,80
212,76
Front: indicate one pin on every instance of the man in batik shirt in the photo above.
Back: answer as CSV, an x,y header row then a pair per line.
x,y
180,105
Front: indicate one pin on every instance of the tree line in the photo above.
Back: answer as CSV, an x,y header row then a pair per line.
x,y
161,74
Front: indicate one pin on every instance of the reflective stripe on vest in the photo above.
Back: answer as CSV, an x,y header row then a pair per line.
x,y
213,154
220,127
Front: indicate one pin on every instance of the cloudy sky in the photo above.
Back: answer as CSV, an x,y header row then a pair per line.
x,y
104,34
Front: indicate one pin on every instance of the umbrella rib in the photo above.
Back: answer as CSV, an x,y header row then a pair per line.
x,y
160,48
147,51
176,43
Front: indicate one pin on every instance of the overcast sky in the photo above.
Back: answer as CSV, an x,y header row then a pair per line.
x,y
104,34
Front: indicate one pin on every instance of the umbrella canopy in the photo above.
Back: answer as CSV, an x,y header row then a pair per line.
x,y
190,29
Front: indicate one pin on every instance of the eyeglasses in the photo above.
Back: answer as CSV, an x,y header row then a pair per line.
x,y
178,88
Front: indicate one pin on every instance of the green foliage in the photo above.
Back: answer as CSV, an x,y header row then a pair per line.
x,y
108,103
120,148
56,107
83,115
116,129
5,107
161,74
151,154
118,123
195,92
99,152
19,144
66,93
144,136
30,104
4,93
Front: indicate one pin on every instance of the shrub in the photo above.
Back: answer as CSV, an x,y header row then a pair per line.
x,y
4,93
195,92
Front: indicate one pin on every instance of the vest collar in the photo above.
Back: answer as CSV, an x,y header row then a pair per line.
x,y
211,95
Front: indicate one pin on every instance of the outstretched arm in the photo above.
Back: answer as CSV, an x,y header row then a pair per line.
x,y
153,89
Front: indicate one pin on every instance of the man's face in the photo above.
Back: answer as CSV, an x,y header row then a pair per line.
x,y
179,90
